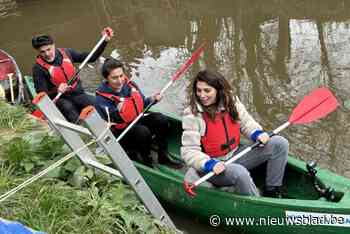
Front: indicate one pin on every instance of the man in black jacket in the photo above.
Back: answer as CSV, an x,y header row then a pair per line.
x,y
54,68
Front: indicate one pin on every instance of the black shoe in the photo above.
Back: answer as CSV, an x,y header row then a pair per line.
x,y
274,192
134,155
148,163
164,159
137,157
147,160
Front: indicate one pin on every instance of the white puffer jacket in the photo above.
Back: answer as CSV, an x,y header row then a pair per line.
x,y
194,128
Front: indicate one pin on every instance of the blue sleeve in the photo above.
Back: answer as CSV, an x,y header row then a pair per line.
x,y
209,165
146,100
254,136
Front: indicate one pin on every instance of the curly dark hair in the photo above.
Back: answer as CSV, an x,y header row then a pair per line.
x,y
224,94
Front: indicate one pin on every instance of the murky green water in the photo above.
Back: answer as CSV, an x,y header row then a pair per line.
x,y
273,51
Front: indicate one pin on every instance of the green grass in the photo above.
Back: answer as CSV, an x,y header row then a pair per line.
x,y
55,207
72,198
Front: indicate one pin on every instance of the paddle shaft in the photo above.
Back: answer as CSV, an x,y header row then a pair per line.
x,y
75,76
143,112
241,154
177,75
9,75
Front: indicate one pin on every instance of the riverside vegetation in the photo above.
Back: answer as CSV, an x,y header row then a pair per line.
x,y
69,199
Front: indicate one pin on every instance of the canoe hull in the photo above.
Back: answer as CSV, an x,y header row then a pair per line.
x,y
267,214
259,214
7,66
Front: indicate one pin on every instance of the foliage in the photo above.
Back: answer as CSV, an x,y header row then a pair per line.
x,y
71,198
20,152
15,122
15,119
55,207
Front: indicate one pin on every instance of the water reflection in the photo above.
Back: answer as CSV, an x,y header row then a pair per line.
x,y
8,8
274,52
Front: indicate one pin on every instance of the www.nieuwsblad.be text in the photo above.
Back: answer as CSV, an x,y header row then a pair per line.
x,y
303,219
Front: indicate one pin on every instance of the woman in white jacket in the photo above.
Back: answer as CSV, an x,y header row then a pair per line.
x,y
211,134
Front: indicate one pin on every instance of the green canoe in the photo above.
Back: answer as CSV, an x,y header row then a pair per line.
x,y
258,214
304,211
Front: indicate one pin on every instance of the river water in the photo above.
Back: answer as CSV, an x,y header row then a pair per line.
x,y
274,52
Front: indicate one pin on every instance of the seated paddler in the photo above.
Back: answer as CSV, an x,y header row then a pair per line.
x,y
212,126
54,68
121,100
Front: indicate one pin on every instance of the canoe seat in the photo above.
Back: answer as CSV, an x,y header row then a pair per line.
x,y
192,175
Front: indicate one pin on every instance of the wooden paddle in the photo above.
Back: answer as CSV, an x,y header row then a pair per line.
x,y
37,113
184,67
319,103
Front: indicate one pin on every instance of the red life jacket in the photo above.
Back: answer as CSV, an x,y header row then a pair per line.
x,y
129,107
221,136
60,74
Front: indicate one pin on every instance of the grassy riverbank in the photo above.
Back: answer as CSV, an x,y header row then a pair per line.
x,y
71,198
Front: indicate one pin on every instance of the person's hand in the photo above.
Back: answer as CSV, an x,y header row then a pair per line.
x,y
109,33
264,138
157,97
63,87
218,168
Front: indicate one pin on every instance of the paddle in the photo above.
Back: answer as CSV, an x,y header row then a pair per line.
x,y
184,67
37,113
319,103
